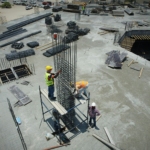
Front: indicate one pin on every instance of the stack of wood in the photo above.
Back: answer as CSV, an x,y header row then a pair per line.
x,y
79,3
127,43
117,12
108,30
72,8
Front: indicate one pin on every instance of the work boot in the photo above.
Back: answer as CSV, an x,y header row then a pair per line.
x,y
97,128
90,123
53,98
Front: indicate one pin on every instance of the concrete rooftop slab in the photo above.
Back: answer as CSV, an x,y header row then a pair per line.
x,y
121,97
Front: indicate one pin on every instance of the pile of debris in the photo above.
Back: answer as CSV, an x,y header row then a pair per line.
x,y
17,45
115,59
73,32
54,29
33,44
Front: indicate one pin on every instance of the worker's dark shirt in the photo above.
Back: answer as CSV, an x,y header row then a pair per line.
x,y
93,112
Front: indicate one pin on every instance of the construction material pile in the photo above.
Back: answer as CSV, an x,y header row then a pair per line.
x,y
26,22
54,29
73,32
17,45
55,50
16,55
57,17
70,37
21,38
56,8
48,20
10,34
33,44
115,59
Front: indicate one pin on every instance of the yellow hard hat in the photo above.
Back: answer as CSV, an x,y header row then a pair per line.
x,y
49,68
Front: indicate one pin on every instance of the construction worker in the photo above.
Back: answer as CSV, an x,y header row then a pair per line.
x,y
81,87
93,112
83,8
49,79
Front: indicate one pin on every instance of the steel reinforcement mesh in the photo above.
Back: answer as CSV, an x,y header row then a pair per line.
x,y
66,61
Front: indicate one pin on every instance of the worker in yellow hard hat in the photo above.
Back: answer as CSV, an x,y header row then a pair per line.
x,y
49,79
83,8
81,87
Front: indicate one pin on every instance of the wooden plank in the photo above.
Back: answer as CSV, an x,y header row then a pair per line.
x,y
14,73
109,136
141,72
27,70
52,102
57,146
130,63
57,103
78,3
98,117
48,47
7,77
104,32
1,81
71,10
59,107
105,142
54,105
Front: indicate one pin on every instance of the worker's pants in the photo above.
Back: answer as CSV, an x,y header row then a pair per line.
x,y
83,11
94,120
84,91
51,91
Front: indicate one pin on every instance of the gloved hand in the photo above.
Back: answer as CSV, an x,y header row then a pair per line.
x,y
75,92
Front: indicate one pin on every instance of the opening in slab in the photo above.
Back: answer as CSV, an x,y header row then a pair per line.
x,y
141,48
7,75
14,73
137,41
22,71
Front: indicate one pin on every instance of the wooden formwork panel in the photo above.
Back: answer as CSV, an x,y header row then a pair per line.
x,y
78,3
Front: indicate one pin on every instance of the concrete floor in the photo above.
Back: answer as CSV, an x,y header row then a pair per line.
x,y
121,97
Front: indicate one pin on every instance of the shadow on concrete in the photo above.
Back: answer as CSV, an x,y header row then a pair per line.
x,y
50,123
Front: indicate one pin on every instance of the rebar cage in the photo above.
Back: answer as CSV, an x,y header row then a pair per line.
x,y
66,61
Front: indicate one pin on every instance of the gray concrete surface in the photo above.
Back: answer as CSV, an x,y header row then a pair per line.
x,y
121,97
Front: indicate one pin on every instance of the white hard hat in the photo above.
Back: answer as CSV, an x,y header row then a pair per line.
x,y
93,104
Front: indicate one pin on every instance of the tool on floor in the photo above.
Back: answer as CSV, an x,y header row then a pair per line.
x,y
57,146
132,62
18,120
105,142
97,118
141,71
